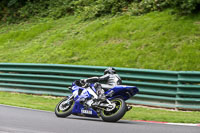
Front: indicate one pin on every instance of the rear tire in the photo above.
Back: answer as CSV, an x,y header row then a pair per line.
x,y
64,110
117,113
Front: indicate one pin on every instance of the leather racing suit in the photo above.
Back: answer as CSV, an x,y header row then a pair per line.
x,y
112,80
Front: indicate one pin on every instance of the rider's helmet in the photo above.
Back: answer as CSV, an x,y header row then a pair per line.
x,y
109,70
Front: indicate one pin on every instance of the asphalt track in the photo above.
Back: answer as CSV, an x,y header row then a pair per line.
x,y
19,120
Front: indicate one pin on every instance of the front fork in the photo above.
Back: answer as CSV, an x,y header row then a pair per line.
x,y
68,100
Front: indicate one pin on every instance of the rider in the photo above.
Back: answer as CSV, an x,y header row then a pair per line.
x,y
110,76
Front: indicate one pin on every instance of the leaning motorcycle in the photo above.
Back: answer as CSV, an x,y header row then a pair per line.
x,y
110,110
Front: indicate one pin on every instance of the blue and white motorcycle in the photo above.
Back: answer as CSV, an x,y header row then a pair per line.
x,y
110,110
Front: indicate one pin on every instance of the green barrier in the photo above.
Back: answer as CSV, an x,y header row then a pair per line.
x,y
171,89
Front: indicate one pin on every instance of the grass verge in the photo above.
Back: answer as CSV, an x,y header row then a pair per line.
x,y
48,103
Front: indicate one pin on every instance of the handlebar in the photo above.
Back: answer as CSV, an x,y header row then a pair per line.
x,y
82,83
86,85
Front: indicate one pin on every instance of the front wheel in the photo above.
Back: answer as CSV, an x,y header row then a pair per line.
x,y
113,115
64,108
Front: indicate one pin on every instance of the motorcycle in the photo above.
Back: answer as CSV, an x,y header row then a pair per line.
x,y
82,103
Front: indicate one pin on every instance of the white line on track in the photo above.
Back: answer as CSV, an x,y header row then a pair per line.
x,y
25,108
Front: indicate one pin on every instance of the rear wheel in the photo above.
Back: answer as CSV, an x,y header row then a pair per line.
x,y
116,113
63,108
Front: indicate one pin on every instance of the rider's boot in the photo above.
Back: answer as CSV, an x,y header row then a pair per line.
x,y
96,102
102,97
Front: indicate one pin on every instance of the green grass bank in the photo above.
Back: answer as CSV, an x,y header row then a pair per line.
x,y
137,113
158,40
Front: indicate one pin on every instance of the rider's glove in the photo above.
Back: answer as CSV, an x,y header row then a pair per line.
x,y
83,81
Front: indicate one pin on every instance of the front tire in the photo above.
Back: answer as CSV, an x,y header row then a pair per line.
x,y
64,110
115,114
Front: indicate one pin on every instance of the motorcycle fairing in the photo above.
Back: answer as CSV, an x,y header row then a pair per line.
x,y
79,109
125,92
119,91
